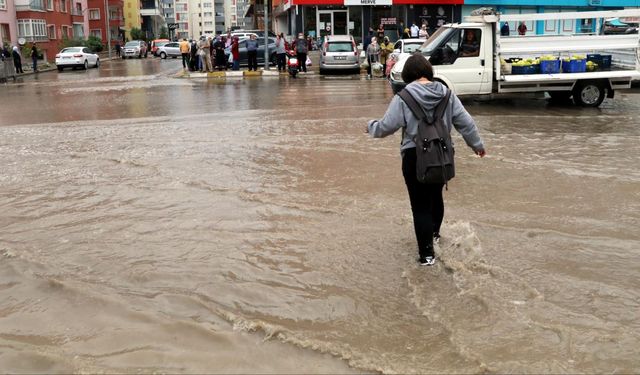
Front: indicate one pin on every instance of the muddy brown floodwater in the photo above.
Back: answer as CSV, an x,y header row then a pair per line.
x,y
160,225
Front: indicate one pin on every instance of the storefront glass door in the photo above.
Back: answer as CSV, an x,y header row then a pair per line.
x,y
333,22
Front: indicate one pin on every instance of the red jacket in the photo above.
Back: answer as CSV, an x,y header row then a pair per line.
x,y
235,50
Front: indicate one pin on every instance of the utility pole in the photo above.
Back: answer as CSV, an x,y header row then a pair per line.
x,y
107,29
266,34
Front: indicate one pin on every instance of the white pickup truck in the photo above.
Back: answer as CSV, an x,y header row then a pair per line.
x,y
481,70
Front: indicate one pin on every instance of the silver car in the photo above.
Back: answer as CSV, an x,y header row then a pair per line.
x,y
169,50
339,52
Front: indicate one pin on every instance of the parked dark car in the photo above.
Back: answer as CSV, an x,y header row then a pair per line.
x,y
242,48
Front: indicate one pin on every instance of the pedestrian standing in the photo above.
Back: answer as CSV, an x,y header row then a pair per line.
x,y
221,57
423,33
380,32
400,30
4,53
17,59
281,52
301,52
34,57
252,52
426,200
193,61
373,55
205,46
522,29
117,48
235,52
386,49
504,30
367,40
415,30
184,51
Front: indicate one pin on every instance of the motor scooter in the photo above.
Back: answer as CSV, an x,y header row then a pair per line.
x,y
292,63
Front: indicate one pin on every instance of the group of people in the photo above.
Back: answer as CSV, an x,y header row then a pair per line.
x,y
7,53
378,47
208,54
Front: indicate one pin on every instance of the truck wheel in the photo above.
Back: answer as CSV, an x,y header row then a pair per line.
x,y
588,93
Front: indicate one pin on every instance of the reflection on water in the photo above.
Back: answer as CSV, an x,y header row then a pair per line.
x,y
182,226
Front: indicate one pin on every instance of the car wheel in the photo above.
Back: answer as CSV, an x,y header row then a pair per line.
x,y
163,55
97,63
124,57
60,68
589,93
86,65
322,71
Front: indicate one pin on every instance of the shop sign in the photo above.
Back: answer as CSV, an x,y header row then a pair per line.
x,y
388,21
368,2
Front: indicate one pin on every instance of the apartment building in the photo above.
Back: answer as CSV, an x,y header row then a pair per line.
x,y
132,18
48,22
99,18
181,8
206,17
152,18
8,22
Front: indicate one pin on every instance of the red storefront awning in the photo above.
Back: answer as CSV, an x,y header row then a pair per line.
x,y
378,2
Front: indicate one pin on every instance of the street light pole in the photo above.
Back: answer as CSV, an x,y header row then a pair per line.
x,y
266,34
107,29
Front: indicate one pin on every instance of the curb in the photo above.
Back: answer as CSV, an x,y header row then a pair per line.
x,y
236,74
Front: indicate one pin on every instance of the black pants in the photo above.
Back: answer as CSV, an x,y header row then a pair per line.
x,y
185,60
302,61
427,204
252,56
282,62
18,64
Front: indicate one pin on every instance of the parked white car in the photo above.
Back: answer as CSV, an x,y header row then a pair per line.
x,y
76,57
169,50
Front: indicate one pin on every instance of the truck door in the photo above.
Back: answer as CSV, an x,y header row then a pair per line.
x,y
460,61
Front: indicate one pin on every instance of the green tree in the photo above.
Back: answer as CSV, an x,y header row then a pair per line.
x,y
66,42
164,33
94,43
136,34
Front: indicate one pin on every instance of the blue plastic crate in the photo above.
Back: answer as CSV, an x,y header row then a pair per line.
x,y
529,69
574,66
549,66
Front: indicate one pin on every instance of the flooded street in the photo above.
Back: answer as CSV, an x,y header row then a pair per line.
x,y
153,224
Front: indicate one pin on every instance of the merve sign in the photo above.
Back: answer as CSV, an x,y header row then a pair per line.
x,y
368,2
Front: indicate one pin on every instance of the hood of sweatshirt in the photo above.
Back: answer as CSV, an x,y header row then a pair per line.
x,y
427,95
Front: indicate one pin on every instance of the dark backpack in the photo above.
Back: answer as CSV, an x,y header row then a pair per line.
x,y
434,151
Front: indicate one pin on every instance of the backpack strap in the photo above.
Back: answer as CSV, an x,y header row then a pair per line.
x,y
417,109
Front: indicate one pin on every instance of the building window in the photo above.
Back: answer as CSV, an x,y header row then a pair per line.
x,y
208,14
78,30
206,5
34,29
208,24
3,4
94,14
96,32
51,31
49,4
63,6
65,32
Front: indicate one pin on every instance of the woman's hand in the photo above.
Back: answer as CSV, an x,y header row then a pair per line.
x,y
480,152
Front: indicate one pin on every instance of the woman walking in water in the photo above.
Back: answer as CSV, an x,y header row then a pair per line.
x,y
427,204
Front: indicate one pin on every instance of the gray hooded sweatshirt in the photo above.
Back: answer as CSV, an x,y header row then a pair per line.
x,y
399,115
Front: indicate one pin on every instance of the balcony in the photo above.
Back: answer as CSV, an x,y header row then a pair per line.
x,y
148,4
